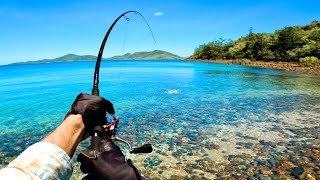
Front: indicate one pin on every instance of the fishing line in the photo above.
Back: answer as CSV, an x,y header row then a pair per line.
x,y
95,89
154,39
125,35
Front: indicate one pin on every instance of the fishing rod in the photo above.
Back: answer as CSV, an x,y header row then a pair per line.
x,y
95,89
107,132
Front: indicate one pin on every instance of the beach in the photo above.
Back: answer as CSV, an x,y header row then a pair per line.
x,y
279,65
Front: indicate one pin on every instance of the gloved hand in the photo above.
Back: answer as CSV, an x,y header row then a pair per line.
x,y
92,108
109,164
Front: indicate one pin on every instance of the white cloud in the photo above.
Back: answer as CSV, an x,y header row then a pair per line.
x,y
159,13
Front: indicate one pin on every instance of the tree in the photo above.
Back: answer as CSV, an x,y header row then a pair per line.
x,y
288,39
287,44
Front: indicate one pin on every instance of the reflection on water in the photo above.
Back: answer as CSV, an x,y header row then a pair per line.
x,y
204,120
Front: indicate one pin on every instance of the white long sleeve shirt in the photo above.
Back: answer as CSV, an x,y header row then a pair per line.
x,y
42,161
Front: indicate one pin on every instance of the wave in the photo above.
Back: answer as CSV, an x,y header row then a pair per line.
x,y
172,91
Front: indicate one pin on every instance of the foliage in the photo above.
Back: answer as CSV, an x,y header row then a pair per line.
x,y
212,50
287,44
309,61
245,61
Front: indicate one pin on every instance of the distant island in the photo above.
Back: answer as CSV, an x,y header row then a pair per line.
x,y
157,54
148,55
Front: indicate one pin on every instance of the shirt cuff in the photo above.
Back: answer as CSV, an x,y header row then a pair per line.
x,y
45,160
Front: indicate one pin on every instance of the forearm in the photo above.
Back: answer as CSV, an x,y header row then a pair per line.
x,y
50,159
68,134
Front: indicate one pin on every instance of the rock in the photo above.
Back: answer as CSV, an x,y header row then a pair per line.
x,y
212,146
266,143
185,139
285,178
306,175
188,170
224,140
310,177
310,165
176,177
264,177
265,171
153,162
163,167
286,165
247,145
250,171
241,167
298,171
281,143
280,172
257,147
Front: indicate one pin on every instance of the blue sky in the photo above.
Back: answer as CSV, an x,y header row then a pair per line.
x,y
34,29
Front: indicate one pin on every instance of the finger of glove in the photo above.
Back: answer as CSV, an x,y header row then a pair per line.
x,y
96,100
103,104
109,107
91,105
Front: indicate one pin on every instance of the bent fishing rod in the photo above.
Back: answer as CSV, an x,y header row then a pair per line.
x,y
107,131
95,89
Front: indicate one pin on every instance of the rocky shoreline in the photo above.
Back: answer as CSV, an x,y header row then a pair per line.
x,y
285,66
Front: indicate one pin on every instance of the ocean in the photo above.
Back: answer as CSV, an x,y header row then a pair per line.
x,y
204,120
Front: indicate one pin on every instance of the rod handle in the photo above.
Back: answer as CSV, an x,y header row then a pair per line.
x,y
95,91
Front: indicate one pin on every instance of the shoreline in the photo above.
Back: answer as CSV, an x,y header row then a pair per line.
x,y
285,66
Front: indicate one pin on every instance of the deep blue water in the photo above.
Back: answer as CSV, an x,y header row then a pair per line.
x,y
152,98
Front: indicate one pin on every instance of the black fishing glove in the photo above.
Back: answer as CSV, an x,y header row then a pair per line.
x,y
93,110
109,164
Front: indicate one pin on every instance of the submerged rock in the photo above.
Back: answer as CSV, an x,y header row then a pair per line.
x,y
298,171
286,165
265,171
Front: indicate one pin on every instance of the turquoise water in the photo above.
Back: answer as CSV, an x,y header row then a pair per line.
x,y
198,114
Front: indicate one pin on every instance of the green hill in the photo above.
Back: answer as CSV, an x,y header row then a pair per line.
x,y
157,54
74,57
153,55
65,58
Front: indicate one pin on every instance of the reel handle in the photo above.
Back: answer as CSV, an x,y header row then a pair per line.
x,y
146,148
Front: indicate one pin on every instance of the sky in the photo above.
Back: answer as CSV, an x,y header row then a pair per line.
x,y
34,29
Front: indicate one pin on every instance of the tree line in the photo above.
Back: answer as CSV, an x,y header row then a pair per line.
x,y
294,44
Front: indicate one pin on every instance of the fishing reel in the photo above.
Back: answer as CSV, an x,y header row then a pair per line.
x,y
110,133
107,132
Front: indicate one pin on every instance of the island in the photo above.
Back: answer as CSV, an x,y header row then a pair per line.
x,y
152,55
295,48
147,55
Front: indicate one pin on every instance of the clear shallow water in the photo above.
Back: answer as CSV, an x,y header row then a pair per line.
x,y
198,116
